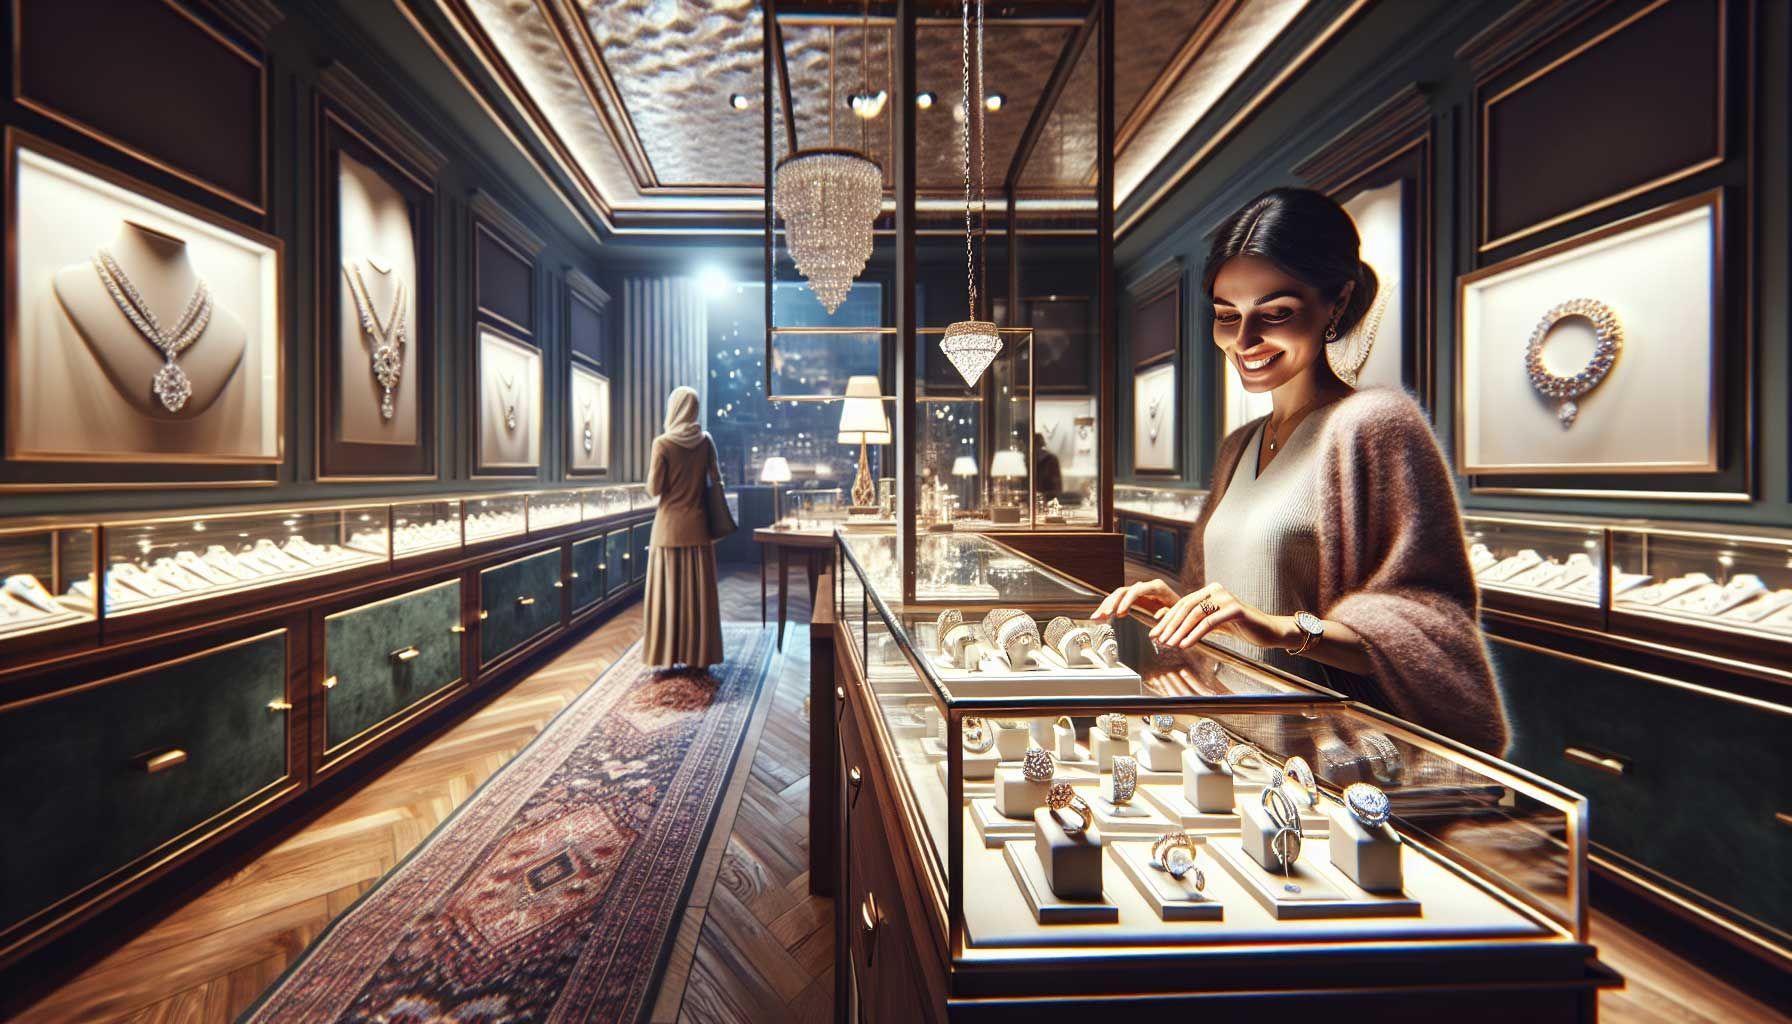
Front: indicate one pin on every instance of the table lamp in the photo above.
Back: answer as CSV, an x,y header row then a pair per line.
x,y
1009,464
862,422
966,466
775,471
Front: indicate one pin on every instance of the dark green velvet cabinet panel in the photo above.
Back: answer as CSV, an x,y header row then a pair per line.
x,y
637,567
1137,536
617,557
386,657
518,601
1166,548
1703,774
587,573
83,800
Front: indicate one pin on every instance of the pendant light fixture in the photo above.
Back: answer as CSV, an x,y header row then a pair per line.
x,y
830,199
972,344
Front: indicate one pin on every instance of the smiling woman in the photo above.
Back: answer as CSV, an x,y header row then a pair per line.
x,y
1336,548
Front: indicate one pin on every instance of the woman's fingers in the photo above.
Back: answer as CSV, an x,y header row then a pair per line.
x,y
1206,602
1106,608
1170,620
1145,595
1230,613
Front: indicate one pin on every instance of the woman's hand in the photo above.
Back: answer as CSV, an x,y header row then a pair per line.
x,y
1214,608
1150,596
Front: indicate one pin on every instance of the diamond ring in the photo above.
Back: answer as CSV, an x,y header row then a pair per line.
x,y
1036,766
1209,740
1281,809
1240,754
1366,804
1298,772
978,736
1162,726
1381,753
1126,778
1114,725
1063,798
1174,854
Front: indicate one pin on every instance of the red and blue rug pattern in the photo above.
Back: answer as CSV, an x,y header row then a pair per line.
x,y
553,892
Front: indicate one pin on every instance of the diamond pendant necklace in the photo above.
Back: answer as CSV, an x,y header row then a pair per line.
x,y
508,384
170,384
388,338
1275,445
589,440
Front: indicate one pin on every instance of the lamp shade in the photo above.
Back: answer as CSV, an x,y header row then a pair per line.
x,y
862,413
964,465
775,471
1008,463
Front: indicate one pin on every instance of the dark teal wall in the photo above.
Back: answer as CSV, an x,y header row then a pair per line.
x,y
1391,46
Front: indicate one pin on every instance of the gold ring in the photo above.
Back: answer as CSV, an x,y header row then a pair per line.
x,y
1061,797
1208,608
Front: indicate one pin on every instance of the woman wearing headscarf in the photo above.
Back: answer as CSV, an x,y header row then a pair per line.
x,y
684,617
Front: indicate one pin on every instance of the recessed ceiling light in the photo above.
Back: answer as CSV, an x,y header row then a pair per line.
x,y
924,99
993,102
737,101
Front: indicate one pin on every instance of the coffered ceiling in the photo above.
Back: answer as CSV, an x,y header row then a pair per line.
x,y
636,99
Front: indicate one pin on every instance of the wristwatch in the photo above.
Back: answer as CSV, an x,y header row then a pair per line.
x,y
1311,629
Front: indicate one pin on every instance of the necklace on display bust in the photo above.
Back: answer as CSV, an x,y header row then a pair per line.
x,y
170,384
1273,430
507,385
1608,339
387,339
1349,354
589,439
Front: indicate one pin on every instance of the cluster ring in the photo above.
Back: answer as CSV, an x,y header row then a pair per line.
x,y
1036,765
978,737
1061,797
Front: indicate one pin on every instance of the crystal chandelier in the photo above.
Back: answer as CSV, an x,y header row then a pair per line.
x,y
829,199
972,344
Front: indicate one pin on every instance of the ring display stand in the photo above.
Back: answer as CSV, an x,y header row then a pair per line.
x,y
1102,748
1370,857
995,827
1174,899
1018,796
1319,895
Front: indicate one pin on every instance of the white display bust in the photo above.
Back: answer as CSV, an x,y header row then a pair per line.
x,y
159,269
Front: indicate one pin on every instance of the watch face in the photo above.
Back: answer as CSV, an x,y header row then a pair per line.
x,y
1308,623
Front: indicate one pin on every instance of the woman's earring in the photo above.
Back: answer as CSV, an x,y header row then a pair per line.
x,y
1331,331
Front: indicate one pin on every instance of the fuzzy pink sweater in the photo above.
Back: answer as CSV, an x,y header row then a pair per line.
x,y
1393,566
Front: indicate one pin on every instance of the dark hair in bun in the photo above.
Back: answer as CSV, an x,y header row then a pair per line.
x,y
1309,236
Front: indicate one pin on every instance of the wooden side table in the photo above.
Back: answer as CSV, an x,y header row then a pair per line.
x,y
814,549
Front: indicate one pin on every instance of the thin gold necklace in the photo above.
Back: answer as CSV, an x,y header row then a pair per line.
x,y
1274,431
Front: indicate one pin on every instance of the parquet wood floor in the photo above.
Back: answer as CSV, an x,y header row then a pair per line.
x,y
753,945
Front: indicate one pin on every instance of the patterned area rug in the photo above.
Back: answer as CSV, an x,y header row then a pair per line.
x,y
552,893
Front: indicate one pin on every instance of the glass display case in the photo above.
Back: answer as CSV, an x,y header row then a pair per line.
x,y
604,502
422,527
638,497
1544,566
151,564
550,510
1729,585
46,578
500,515
1075,787
1179,503
814,508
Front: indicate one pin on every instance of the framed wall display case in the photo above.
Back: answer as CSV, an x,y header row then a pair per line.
x,y
1599,354
504,252
1157,421
376,270
1007,806
144,335
587,319
1380,170
507,441
588,422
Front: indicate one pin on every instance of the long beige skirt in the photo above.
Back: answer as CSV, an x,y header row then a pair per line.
x,y
684,614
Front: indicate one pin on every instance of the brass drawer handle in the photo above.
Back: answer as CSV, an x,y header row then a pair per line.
x,y
483,615
559,584
161,762
855,779
625,556
601,567
406,653
869,919
279,705
525,601
1783,818
457,628
1597,761
330,682
839,702
575,574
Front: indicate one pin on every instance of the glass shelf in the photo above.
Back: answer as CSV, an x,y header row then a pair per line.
x,y
152,564
1733,584
1550,561
1182,504
46,578
549,510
